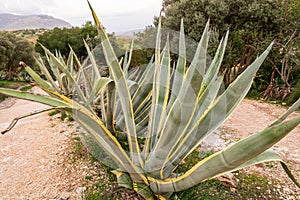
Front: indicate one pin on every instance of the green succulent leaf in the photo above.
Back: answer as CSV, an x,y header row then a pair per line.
x,y
57,64
228,159
219,110
122,91
97,88
51,101
180,67
47,74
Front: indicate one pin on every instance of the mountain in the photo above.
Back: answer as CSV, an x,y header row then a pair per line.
x,y
19,22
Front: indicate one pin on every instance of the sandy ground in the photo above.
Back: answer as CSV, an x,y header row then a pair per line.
x,y
252,116
33,154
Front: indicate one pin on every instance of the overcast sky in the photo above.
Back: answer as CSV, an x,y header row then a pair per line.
x,y
116,15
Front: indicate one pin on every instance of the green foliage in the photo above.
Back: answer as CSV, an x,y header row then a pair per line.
x,y
140,57
62,38
253,24
295,94
11,85
26,88
13,49
251,186
54,112
250,22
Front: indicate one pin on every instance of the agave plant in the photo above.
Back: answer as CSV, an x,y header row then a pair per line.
x,y
58,78
148,124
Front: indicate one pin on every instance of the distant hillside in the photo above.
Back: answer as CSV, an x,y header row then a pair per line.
x,y
19,22
129,34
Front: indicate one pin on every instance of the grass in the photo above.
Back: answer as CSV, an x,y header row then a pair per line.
x,y
103,183
13,85
63,115
250,186
26,88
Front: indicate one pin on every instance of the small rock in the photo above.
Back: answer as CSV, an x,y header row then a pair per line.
x,y
80,190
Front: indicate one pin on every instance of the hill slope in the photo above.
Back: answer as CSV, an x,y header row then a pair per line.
x,y
19,22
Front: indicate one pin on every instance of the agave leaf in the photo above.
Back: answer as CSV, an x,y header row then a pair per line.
x,y
160,97
180,67
71,68
91,56
123,179
228,159
292,109
143,113
267,156
103,137
98,86
127,63
102,103
208,96
86,80
145,85
145,75
118,108
122,91
64,86
53,67
70,63
196,70
149,87
158,43
215,65
45,71
145,191
134,75
91,123
107,142
183,108
38,79
51,101
111,98
220,109
58,64
289,173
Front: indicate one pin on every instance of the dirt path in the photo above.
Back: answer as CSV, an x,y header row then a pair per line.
x,y
252,116
33,155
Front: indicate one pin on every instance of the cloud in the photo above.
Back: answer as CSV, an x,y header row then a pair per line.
x,y
118,15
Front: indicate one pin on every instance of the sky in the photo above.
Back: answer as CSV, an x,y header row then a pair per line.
x,y
116,15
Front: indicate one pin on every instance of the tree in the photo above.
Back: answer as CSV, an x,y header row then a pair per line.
x,y
61,40
253,25
286,63
14,49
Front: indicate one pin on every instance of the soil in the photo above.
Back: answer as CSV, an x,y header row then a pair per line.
x,y
252,116
34,155
35,161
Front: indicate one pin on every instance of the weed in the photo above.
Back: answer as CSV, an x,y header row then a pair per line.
x,y
54,112
251,186
63,115
26,88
